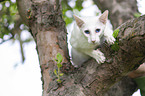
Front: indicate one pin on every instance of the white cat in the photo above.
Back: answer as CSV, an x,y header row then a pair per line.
x,y
87,34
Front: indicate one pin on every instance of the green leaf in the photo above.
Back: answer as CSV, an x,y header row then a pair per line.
x,y
55,72
137,15
68,20
58,80
61,74
59,65
59,58
13,13
115,46
115,33
79,5
55,59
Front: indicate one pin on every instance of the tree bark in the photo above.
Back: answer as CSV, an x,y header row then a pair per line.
x,y
119,12
48,30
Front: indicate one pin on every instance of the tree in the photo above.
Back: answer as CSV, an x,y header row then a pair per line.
x,y
48,29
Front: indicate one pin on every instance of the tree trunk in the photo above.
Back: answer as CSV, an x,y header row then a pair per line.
x,y
119,12
48,30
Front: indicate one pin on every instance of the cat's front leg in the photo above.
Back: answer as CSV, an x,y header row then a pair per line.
x,y
78,58
108,36
97,55
110,39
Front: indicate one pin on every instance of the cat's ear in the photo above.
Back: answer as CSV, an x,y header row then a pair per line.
x,y
103,18
79,22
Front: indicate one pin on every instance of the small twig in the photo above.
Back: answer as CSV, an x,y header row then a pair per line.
x,y
6,40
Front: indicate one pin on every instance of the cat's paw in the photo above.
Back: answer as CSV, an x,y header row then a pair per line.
x,y
110,40
100,58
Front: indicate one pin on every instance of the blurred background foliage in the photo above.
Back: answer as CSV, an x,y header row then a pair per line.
x,y
11,25
8,9
69,6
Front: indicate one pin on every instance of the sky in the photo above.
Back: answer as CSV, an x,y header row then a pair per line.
x,y
18,79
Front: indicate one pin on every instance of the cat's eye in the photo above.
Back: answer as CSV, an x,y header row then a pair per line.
x,y
97,30
87,31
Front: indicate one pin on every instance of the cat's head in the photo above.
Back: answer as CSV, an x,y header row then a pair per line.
x,y
92,27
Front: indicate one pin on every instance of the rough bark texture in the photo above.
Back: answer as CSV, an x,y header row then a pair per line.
x,y
49,32
48,29
119,12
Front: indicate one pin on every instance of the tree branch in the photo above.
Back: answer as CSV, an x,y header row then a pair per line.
x,y
4,0
119,12
3,41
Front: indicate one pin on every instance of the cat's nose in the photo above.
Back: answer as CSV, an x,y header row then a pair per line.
x,y
93,41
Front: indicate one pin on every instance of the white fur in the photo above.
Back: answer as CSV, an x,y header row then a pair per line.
x,y
82,46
